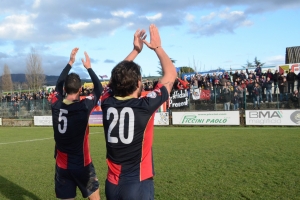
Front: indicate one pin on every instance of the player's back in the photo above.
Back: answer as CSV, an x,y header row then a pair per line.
x,y
128,125
71,131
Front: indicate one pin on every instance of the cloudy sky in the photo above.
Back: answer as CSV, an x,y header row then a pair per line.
x,y
205,34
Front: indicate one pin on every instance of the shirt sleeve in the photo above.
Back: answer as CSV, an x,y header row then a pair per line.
x,y
58,93
61,79
98,89
157,97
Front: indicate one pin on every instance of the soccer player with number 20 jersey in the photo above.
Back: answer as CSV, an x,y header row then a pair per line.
x,y
128,121
70,115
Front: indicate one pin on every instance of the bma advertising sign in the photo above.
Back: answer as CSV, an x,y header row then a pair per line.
x,y
273,117
206,118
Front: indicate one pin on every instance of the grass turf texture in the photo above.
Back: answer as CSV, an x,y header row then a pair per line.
x,y
190,162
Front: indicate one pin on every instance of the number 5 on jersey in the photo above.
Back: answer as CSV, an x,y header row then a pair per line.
x,y
121,119
62,128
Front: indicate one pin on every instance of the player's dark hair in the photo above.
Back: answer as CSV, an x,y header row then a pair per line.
x,y
72,83
124,78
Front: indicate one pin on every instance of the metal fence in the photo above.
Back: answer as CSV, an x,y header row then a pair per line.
x,y
216,100
24,108
271,99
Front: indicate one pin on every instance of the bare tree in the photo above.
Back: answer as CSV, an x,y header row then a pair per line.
x,y
34,71
6,82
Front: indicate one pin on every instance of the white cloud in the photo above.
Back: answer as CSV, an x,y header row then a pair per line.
x,y
79,25
209,17
130,24
17,26
83,25
189,17
96,21
154,17
36,4
225,21
275,60
122,14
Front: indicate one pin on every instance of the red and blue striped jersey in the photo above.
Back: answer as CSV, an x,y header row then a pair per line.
x,y
128,126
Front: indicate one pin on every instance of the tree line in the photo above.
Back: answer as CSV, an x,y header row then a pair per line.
x,y
34,74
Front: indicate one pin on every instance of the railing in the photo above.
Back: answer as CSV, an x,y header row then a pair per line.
x,y
24,109
215,100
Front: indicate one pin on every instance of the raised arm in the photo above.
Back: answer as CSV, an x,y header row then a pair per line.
x,y
139,36
97,85
168,68
65,72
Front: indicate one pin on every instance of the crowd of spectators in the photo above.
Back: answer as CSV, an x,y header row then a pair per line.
x,y
250,86
233,89
30,101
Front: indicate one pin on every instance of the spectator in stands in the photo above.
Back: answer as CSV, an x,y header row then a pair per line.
x,y
235,75
200,81
242,95
8,97
227,77
295,97
250,76
243,75
184,83
227,96
179,86
235,101
298,81
283,90
213,78
256,95
269,74
195,82
258,71
218,87
276,75
263,88
250,73
268,85
250,86
222,81
291,78
207,86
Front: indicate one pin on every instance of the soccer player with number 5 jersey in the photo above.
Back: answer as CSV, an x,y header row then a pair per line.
x,y
128,121
70,115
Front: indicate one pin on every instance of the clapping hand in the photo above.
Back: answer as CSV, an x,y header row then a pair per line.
x,y
155,41
73,55
87,63
139,36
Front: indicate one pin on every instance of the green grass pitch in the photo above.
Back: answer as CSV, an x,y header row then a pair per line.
x,y
190,162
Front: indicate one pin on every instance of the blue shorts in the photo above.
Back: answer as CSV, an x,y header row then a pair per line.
x,y
66,181
130,190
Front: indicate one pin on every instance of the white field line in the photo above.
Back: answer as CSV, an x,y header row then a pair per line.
x,y
22,141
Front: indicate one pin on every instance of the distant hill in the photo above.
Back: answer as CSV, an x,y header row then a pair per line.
x,y
50,80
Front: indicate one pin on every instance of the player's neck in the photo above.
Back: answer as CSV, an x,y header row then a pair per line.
x,y
72,97
134,95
